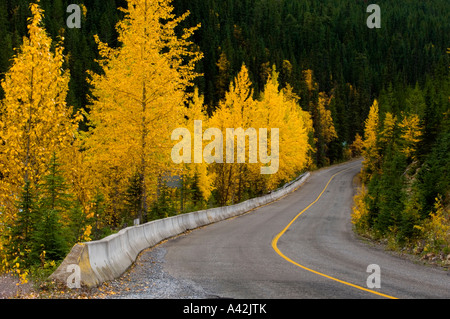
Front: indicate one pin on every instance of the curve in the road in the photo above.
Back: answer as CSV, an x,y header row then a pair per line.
x,y
240,257
278,251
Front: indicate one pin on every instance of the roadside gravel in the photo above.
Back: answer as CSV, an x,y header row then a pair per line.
x,y
147,280
10,287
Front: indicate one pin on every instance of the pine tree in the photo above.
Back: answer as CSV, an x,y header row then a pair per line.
x,y
434,176
20,244
133,197
163,207
6,50
102,222
55,203
49,240
323,124
224,75
391,197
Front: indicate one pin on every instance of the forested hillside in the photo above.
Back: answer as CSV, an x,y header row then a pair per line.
x,y
404,199
87,113
349,60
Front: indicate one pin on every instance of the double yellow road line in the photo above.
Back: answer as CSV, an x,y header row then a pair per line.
x,y
277,237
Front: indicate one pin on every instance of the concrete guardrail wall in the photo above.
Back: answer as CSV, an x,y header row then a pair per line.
x,y
110,257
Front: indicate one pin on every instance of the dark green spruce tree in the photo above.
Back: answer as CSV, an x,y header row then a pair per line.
x,y
49,234
21,243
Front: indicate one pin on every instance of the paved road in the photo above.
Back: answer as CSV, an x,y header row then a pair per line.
x,y
317,256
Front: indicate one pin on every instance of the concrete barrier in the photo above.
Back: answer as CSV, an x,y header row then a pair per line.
x,y
110,257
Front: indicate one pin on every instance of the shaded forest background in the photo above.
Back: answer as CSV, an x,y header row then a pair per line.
x,y
330,37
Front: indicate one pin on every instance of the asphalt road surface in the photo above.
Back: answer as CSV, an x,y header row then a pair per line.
x,y
301,246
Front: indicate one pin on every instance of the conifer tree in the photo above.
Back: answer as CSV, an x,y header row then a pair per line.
x,y
390,192
19,244
224,75
55,203
318,106
357,146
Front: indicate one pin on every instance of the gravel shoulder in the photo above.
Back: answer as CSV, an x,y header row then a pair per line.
x,y
146,280
10,287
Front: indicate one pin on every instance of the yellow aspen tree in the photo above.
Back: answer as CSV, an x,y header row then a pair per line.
x,y
306,120
360,212
356,147
280,109
35,120
269,113
81,184
196,112
139,98
325,119
237,110
299,126
370,149
324,129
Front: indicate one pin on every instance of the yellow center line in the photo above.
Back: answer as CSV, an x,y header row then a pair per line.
x,y
277,237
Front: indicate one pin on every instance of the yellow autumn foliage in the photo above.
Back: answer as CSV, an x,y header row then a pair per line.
x,y
35,121
357,146
275,109
325,119
139,100
370,149
359,216
196,112
281,109
236,110
411,133
436,229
